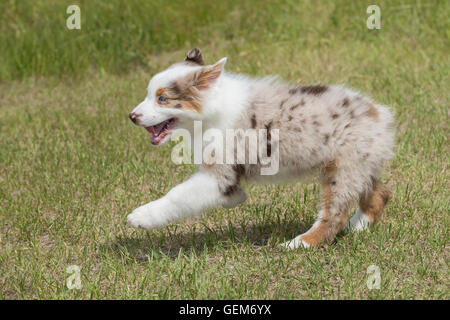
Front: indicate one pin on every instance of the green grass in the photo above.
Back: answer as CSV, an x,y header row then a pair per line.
x,y
72,165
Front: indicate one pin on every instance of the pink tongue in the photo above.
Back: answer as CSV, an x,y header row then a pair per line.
x,y
151,130
156,132
155,139
159,127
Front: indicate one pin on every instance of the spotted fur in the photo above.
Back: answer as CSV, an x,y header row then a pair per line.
x,y
342,135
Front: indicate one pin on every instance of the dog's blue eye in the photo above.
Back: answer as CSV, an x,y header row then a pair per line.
x,y
162,98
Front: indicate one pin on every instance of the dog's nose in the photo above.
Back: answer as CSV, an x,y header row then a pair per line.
x,y
133,117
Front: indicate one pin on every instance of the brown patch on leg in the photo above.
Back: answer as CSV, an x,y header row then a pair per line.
x,y
325,229
372,204
316,234
333,217
327,183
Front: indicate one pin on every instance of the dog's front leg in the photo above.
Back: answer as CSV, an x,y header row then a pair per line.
x,y
197,194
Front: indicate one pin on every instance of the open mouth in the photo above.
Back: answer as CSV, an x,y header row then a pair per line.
x,y
160,130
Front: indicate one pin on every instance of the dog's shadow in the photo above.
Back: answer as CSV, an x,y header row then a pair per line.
x,y
170,241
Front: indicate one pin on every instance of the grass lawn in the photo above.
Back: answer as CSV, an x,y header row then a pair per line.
x,y
72,165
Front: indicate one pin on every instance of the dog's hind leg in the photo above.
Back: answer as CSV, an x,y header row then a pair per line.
x,y
340,189
371,205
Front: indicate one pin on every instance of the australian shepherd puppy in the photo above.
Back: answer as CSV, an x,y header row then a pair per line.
x,y
341,134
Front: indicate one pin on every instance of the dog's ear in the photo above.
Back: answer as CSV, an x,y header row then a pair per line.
x,y
195,56
209,74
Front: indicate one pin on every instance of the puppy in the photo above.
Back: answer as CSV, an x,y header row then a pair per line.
x,y
339,133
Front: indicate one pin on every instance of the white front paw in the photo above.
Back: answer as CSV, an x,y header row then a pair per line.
x,y
148,216
139,219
